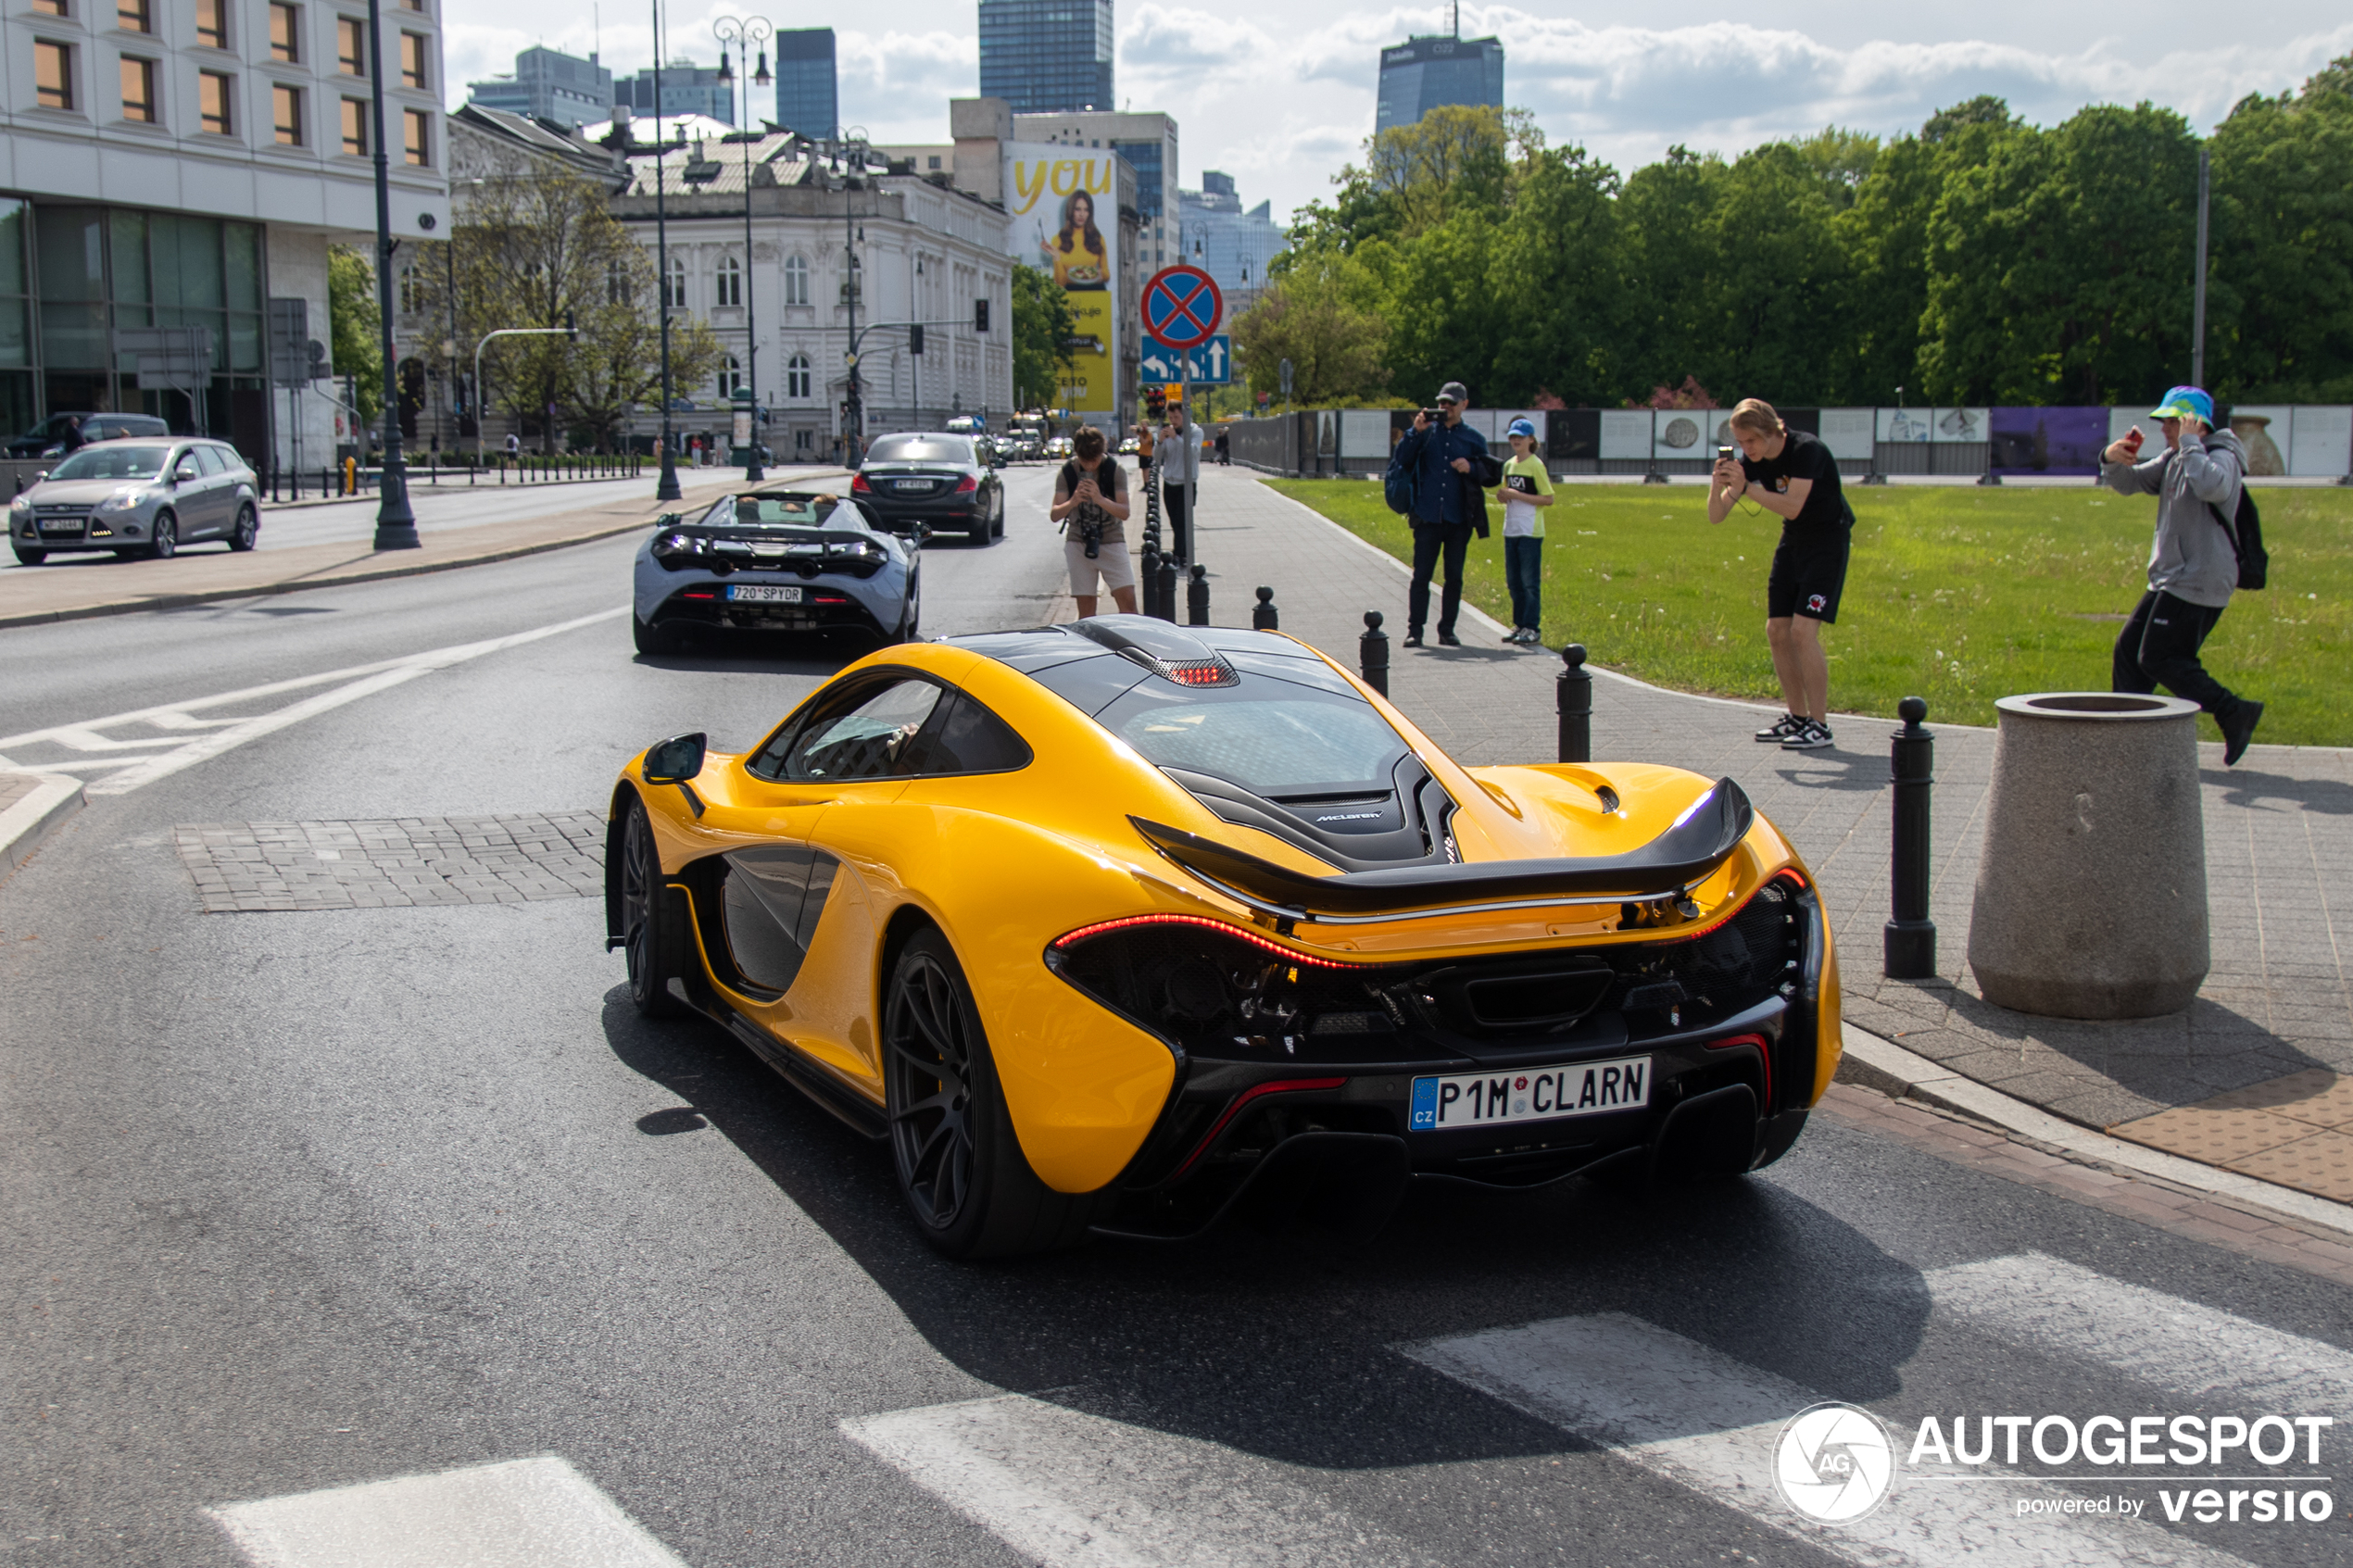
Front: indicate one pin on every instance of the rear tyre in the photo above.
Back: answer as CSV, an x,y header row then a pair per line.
x,y
248,528
979,533
652,939
997,530
32,557
165,542
959,1165
650,638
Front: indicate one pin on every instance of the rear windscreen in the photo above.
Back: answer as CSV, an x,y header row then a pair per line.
x,y
919,449
1273,739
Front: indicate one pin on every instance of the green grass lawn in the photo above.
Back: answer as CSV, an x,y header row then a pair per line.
x,y
1957,594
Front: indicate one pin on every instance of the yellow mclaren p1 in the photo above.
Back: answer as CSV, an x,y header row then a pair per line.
x,y
1118,927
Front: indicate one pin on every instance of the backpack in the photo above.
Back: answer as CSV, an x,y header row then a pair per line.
x,y
2245,533
1400,485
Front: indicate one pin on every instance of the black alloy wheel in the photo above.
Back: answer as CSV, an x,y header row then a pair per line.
x,y
164,543
654,949
248,528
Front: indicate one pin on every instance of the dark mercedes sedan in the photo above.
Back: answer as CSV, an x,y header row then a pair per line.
x,y
942,480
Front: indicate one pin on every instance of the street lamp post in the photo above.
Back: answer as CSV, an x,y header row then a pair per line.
x,y
667,490
854,420
745,32
396,524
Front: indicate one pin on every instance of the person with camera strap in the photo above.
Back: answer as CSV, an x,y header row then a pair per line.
x,y
1090,502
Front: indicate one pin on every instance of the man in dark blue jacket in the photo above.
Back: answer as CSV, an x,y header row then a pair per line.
x,y
1444,459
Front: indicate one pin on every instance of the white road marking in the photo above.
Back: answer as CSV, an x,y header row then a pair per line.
x,y
1711,1424
2046,1304
142,759
523,1513
1071,1490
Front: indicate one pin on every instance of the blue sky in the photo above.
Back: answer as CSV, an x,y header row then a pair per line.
x,y
1280,93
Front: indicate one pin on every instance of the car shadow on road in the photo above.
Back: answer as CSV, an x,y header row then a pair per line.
x,y
1286,1345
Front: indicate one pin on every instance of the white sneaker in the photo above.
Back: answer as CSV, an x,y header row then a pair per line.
x,y
1812,737
1787,727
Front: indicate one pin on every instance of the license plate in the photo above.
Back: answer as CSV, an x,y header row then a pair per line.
x,y
61,524
754,592
1530,1093
911,486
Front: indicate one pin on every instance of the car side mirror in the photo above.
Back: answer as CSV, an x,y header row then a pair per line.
x,y
675,760
669,519
182,472
923,531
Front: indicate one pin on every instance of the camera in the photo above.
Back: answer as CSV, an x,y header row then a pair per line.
x,y
1435,416
1091,535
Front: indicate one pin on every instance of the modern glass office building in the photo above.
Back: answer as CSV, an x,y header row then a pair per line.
x,y
550,84
686,88
807,99
1422,74
1047,56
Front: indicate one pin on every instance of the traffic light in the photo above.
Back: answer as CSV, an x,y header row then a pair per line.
x,y
1156,402
915,338
980,315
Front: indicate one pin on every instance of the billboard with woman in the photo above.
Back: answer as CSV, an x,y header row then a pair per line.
x,y
1063,203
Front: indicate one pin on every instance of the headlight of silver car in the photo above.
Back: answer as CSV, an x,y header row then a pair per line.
x,y
122,501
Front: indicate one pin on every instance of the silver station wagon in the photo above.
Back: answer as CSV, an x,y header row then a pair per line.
x,y
138,497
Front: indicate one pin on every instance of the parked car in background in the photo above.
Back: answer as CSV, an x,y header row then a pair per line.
x,y
1058,449
138,497
945,481
60,433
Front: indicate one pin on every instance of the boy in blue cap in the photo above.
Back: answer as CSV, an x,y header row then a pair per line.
x,y
2194,562
1527,490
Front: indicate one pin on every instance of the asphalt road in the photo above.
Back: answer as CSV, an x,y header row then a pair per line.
x,y
304,1200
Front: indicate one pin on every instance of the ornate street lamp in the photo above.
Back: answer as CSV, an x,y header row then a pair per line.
x,y
744,32
667,489
396,524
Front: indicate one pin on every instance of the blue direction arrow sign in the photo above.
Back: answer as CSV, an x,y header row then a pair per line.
x,y
1207,364
1182,307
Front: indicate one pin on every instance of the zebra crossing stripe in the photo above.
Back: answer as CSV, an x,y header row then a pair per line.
x,y
1711,1424
1066,1489
522,1514
2045,1303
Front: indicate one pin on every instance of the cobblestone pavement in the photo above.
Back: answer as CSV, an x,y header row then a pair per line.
x,y
15,787
2277,1005
249,867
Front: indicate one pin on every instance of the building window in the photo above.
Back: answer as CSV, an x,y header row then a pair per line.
x,y
617,289
409,297
413,5
286,115
212,23
355,127
673,294
53,74
731,376
131,16
214,93
285,32
50,8
731,282
139,90
796,281
797,376
412,59
351,46
419,139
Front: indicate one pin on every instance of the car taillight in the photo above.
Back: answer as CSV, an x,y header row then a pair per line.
x,y
967,486
859,487
1210,989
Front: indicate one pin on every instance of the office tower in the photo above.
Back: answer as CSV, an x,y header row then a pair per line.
x,y
1423,73
808,100
686,88
548,84
1047,56
1231,245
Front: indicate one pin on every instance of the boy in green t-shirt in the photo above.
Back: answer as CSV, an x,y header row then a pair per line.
x,y
1526,491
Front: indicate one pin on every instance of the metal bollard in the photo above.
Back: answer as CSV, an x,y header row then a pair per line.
x,y
1910,937
1263,616
1151,575
1372,653
1197,598
1573,695
1167,581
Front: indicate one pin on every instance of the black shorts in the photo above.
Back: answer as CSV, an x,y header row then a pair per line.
x,y
1809,575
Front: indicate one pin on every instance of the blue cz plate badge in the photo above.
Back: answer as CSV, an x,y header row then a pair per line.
x,y
1530,1094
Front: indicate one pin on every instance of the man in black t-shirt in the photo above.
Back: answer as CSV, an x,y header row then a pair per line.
x,y
1794,476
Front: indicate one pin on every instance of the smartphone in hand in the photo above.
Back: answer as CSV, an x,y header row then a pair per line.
x,y
2133,439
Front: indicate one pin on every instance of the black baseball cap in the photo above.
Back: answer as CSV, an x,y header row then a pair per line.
x,y
1452,392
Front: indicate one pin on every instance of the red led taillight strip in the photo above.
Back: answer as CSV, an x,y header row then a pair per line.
x,y
1223,929
1281,1085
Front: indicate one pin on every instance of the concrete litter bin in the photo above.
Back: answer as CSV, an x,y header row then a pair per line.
x,y
2091,897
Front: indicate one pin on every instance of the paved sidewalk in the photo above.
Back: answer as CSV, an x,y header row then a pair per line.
x,y
72,587
2267,1038
32,807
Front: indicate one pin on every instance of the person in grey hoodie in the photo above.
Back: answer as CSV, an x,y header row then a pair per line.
x,y
2193,564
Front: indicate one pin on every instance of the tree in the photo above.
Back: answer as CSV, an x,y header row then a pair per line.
x,y
356,326
1321,315
1042,322
2280,319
